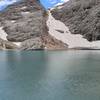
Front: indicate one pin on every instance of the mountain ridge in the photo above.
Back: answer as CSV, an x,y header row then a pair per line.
x,y
82,17
25,22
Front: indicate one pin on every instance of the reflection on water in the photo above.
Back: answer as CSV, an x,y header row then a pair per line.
x,y
50,75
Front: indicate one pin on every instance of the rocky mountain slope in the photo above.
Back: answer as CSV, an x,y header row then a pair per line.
x,y
25,24
81,17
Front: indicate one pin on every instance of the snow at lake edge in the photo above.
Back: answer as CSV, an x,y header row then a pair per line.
x,y
72,40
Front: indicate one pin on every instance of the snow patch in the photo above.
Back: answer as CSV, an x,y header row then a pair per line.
x,y
60,5
13,21
3,35
17,43
65,0
23,8
72,40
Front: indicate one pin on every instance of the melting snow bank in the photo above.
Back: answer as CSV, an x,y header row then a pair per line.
x,y
73,41
3,36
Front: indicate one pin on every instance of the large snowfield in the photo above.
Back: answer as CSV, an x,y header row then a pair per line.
x,y
72,40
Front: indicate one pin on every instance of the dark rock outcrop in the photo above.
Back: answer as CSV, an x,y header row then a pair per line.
x,y
82,17
26,22
32,44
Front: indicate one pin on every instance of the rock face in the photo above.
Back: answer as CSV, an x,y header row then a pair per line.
x,y
7,45
25,22
81,16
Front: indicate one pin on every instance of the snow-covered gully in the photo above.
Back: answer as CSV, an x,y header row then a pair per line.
x,y
72,40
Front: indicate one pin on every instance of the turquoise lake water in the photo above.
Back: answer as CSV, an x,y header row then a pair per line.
x,y
50,75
